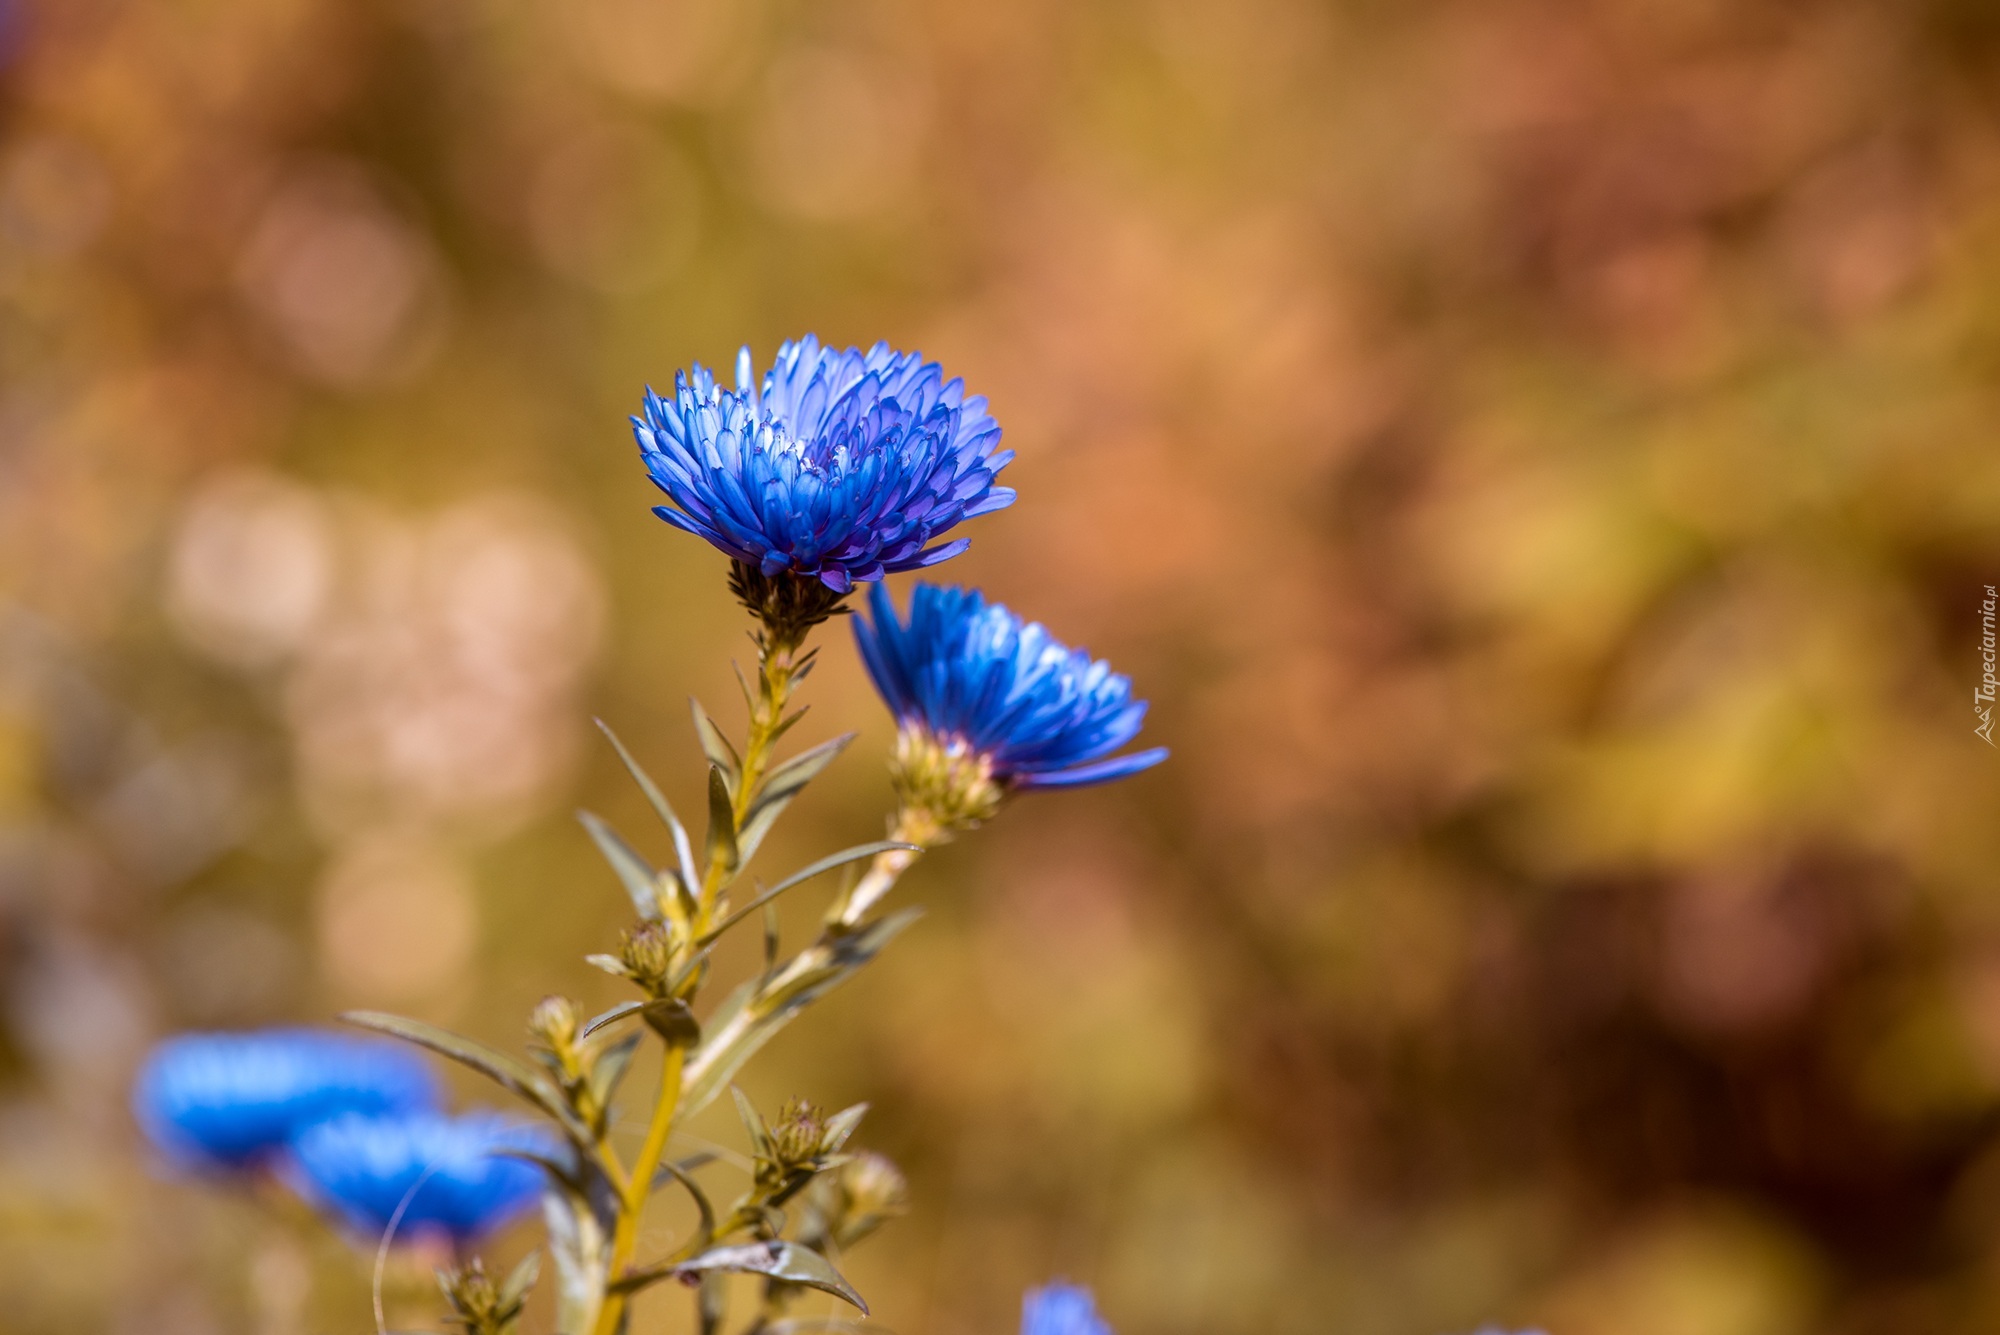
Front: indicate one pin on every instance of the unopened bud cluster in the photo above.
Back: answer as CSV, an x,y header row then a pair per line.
x,y
650,953
478,1305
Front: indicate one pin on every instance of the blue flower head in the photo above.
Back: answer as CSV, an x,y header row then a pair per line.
x,y
1061,1309
984,698
846,466
448,1175
231,1100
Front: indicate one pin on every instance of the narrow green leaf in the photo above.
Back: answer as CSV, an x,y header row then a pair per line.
x,y
806,873
641,882
515,1077
753,1123
673,1172
787,723
612,1016
787,1261
611,964
659,804
757,826
715,746
712,1302
582,1253
786,780
712,1067
721,821
610,1067
841,1125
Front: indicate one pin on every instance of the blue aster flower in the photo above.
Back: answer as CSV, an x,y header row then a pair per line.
x,y
846,466
1061,1309
978,682
453,1172
231,1100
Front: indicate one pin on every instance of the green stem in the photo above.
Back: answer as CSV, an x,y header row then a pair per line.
x,y
778,663
639,1187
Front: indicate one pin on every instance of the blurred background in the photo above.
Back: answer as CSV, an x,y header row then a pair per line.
x,y
1537,457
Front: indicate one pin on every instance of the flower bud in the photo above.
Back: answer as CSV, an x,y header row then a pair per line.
x,y
553,1022
648,955
800,1136
873,1187
850,1203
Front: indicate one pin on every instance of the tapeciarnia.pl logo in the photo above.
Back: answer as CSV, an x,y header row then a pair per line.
x,y
1982,694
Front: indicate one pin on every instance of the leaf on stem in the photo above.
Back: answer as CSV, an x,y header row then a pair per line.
x,y
609,1069
641,882
715,746
840,1126
669,1171
751,1016
785,781
787,1261
722,843
682,846
612,1016
826,864
754,1124
513,1076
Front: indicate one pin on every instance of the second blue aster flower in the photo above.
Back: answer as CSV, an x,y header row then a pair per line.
x,y
843,466
989,703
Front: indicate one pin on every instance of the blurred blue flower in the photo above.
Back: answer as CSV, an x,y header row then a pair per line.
x,y
230,1100
847,466
1037,713
452,1171
1061,1309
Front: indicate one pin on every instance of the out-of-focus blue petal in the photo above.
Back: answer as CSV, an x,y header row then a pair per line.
x,y
231,1100
452,1171
1104,771
965,670
1061,1309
